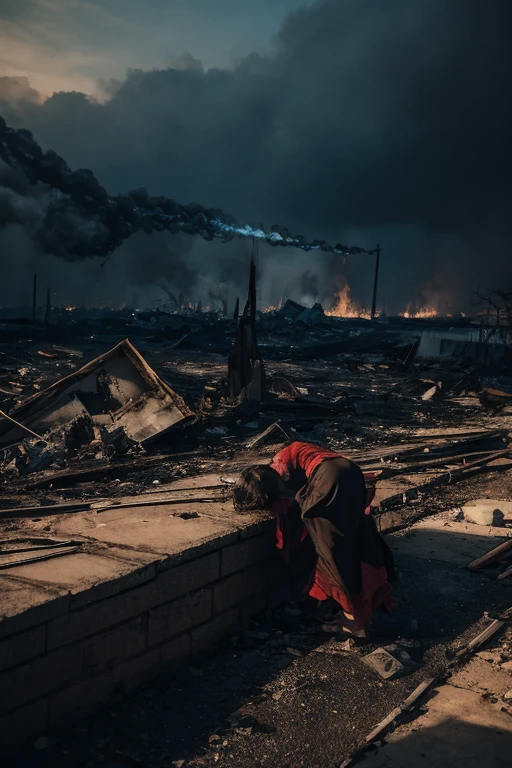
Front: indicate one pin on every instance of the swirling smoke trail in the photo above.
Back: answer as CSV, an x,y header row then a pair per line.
x,y
106,221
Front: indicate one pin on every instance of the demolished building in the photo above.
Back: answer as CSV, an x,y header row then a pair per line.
x,y
115,399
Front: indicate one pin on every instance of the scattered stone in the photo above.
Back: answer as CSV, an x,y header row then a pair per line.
x,y
294,652
494,657
156,482
214,738
337,648
485,512
390,662
384,664
178,763
507,696
507,665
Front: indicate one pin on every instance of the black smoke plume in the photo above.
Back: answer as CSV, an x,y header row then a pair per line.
x,y
85,221
368,122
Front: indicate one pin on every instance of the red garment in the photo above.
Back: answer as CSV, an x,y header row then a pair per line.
x,y
375,590
307,457
290,530
304,456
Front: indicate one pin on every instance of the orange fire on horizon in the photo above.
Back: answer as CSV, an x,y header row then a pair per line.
x,y
422,313
346,307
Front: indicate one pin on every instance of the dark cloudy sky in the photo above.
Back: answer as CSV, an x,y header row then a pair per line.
x,y
351,120
75,44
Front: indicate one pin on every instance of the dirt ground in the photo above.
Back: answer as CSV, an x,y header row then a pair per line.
x,y
272,697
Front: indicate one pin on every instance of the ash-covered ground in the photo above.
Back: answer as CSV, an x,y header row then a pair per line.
x,y
273,696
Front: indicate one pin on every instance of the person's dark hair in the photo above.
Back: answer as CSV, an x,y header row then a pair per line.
x,y
256,488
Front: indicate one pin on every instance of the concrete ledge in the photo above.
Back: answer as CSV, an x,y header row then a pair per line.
x,y
147,591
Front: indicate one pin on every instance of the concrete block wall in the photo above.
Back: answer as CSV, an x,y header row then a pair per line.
x,y
64,659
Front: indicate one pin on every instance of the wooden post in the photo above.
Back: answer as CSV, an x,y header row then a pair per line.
x,y
375,282
245,368
48,306
34,299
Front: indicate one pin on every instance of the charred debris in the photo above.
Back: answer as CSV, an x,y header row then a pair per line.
x,y
164,394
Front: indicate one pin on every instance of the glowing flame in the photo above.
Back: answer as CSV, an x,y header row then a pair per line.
x,y
421,314
270,308
345,307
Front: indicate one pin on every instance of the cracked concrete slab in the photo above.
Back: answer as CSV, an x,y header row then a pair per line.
x,y
460,730
448,541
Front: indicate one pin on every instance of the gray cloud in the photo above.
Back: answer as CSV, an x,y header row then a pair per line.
x,y
372,121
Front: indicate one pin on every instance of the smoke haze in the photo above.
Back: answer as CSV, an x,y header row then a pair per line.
x,y
370,122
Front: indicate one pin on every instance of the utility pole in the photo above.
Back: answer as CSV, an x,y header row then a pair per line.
x,y
48,306
375,282
34,299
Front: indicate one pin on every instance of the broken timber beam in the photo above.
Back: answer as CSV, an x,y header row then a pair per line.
x,y
21,426
486,634
407,704
44,511
99,507
38,558
507,573
481,638
276,426
489,557
452,475
72,476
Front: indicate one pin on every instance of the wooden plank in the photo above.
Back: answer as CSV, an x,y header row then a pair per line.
x,y
486,634
489,557
72,476
4,564
275,427
481,638
99,507
44,511
407,704
21,426
507,573
452,475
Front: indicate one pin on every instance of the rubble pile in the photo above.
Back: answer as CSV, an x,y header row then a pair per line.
x,y
113,405
112,434
246,384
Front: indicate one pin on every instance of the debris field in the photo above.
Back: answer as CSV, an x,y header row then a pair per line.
x,y
103,412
